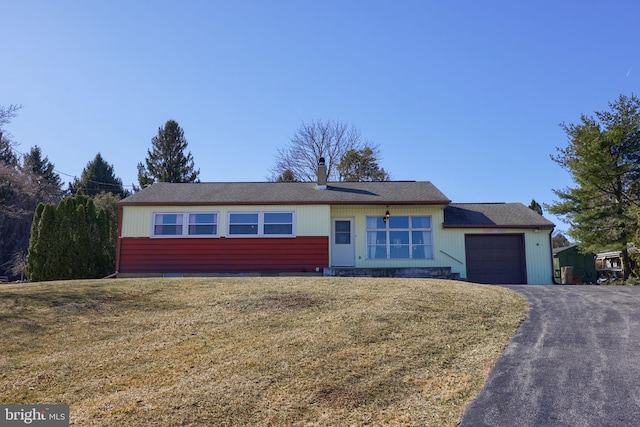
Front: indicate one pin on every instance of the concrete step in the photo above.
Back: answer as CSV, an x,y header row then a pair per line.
x,y
408,272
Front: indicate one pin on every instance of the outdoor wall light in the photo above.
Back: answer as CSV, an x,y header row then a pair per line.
x,y
386,216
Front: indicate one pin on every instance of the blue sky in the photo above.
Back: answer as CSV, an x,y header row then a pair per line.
x,y
466,94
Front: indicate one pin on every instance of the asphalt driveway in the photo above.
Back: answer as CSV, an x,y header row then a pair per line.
x,y
574,362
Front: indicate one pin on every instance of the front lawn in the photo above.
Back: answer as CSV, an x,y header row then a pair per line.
x,y
253,351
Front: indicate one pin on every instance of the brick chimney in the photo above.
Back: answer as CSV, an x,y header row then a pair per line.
x,y
322,174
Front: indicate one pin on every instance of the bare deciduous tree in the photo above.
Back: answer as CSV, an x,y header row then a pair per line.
x,y
22,187
6,144
329,139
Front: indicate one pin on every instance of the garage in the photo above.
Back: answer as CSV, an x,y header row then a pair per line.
x,y
496,258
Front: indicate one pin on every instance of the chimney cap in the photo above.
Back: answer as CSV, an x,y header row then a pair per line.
x,y
321,161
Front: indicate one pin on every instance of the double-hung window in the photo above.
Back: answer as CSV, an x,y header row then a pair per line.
x,y
203,224
241,224
263,224
185,224
168,224
278,223
400,237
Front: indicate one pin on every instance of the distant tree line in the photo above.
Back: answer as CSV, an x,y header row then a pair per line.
x,y
25,180
74,235
28,181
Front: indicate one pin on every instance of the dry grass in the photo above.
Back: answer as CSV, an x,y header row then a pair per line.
x,y
253,351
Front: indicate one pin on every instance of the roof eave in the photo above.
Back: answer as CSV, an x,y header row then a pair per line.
x,y
511,226
289,202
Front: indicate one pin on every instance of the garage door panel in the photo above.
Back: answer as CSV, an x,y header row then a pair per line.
x,y
497,259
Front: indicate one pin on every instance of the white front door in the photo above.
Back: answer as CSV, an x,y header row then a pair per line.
x,y
343,253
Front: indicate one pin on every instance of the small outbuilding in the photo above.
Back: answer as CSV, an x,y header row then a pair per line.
x,y
584,265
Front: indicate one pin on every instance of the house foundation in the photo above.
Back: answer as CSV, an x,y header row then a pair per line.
x,y
417,272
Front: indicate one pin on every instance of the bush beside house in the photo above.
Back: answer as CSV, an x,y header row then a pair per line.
x,y
71,241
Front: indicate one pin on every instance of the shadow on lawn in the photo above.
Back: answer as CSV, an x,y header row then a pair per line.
x,y
36,311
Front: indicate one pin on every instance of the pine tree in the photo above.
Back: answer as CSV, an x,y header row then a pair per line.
x,y
535,206
167,161
603,157
287,176
42,171
97,177
361,165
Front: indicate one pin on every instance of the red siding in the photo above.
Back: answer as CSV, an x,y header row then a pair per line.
x,y
144,255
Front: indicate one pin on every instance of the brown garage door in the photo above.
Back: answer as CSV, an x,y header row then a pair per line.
x,y
496,258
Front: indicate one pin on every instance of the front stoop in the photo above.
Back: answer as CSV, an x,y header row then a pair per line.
x,y
418,272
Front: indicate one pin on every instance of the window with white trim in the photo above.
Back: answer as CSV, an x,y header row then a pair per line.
x,y
400,237
168,224
262,224
243,224
185,224
203,224
278,223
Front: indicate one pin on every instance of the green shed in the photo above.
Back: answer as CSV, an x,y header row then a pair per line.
x,y
584,265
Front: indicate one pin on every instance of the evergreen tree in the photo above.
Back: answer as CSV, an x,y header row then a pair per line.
x,y
85,245
67,226
42,172
603,157
43,243
143,177
6,151
71,241
535,206
560,241
361,166
34,266
6,144
23,185
105,244
96,177
107,206
287,176
166,161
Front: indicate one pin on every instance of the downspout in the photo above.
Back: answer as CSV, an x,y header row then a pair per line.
x,y
553,276
118,240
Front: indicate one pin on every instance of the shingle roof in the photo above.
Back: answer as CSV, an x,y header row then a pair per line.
x,y
501,215
562,249
261,193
